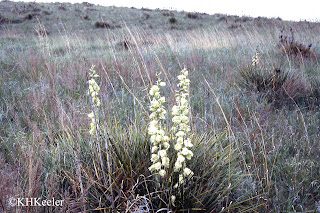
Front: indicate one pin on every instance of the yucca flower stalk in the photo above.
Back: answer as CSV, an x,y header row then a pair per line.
x,y
93,92
158,138
181,129
94,125
255,59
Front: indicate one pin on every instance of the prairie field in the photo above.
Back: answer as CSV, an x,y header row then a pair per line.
x,y
253,108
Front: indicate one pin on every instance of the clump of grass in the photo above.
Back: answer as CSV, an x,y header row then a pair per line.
x,y
291,47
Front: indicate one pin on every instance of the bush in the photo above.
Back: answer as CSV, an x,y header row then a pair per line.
x,y
86,17
291,47
192,15
3,20
280,88
46,12
30,16
173,20
125,44
168,14
61,7
102,24
113,165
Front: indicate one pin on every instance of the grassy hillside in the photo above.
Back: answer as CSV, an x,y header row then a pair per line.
x,y
254,109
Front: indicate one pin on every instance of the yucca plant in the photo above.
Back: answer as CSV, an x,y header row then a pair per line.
x,y
200,181
211,172
270,84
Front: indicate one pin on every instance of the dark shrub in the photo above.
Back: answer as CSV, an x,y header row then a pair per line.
x,y
102,24
15,21
279,88
36,9
172,20
61,7
125,44
145,16
235,26
46,12
3,20
223,19
28,16
87,4
145,9
168,14
192,15
291,47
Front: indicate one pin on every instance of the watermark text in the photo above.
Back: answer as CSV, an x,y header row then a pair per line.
x,y
33,201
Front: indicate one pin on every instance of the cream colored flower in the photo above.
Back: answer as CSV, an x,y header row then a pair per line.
x,y
154,149
162,84
153,90
165,145
154,157
162,172
178,146
180,119
155,167
180,134
165,162
93,92
173,199
158,137
255,59
91,115
187,172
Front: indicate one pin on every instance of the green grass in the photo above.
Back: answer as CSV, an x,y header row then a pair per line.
x,y
268,154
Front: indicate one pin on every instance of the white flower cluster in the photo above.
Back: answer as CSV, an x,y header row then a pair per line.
x,y
181,128
94,87
255,59
93,92
159,140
